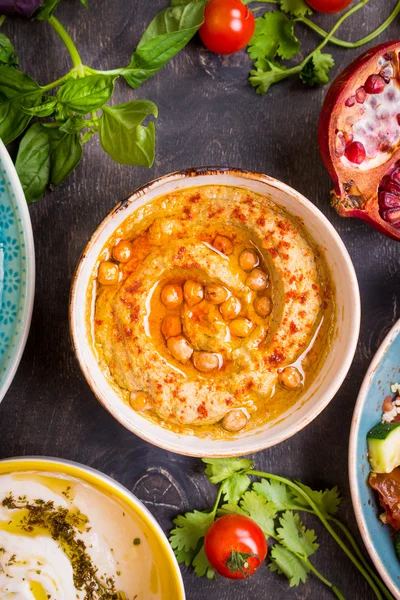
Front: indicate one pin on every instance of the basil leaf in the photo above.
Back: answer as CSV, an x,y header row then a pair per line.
x,y
74,124
7,56
85,3
46,10
86,94
166,35
65,154
123,136
16,88
42,110
33,162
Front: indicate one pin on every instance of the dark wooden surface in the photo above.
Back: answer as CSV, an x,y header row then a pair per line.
x,y
209,115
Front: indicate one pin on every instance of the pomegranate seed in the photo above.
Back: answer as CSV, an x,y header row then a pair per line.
x,y
375,84
392,188
392,216
340,145
361,94
387,56
396,174
350,101
355,153
398,119
387,200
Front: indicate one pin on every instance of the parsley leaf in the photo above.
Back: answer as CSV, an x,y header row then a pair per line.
x,y
202,566
295,536
261,511
235,486
191,527
276,492
286,563
263,78
297,8
219,469
273,36
327,501
317,68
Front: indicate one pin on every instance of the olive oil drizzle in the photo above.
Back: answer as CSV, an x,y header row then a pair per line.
x,y
62,525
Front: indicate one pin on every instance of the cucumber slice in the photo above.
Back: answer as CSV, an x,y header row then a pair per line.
x,y
384,447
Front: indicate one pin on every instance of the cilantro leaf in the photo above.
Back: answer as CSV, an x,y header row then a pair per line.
x,y
286,563
202,566
327,501
191,527
273,36
235,486
185,556
295,536
260,510
227,509
317,68
276,492
219,469
297,8
263,78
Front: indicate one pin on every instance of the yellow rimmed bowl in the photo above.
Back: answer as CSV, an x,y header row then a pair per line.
x,y
169,576
332,373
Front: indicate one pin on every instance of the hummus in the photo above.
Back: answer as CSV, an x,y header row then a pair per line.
x,y
62,539
219,293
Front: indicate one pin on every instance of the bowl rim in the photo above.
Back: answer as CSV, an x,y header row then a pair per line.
x,y
353,458
78,468
28,301
253,444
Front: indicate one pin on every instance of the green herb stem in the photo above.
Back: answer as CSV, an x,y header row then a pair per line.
x,y
57,82
260,1
323,579
358,43
69,44
90,71
2,19
315,508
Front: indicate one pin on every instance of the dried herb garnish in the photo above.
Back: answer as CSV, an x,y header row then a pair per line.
x,y
63,525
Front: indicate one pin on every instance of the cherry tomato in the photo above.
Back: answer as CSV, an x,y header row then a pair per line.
x,y
228,26
329,6
235,546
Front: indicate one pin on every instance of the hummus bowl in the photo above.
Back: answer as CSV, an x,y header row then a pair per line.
x,y
215,312
68,531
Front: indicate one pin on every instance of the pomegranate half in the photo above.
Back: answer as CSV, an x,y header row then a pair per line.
x,y
359,139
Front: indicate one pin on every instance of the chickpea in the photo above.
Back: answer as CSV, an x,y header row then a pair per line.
x,y
172,295
140,401
257,280
123,251
234,420
249,259
230,308
193,292
290,378
216,294
171,326
206,361
241,327
263,306
108,273
223,244
180,348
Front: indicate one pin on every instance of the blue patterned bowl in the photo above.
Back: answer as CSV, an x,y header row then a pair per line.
x,y
17,271
383,371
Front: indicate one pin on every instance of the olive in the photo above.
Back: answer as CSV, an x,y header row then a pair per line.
x,y
172,295
263,306
108,273
234,420
140,401
171,326
290,378
193,292
241,327
123,251
206,361
216,294
257,280
249,259
230,308
180,348
223,244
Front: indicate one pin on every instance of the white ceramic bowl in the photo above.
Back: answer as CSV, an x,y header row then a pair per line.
x,y
334,369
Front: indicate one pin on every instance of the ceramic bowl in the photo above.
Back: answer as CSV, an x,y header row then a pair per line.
x,y
383,371
169,575
17,271
334,369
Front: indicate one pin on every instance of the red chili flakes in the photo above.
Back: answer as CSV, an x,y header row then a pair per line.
x,y
180,254
291,295
302,314
213,213
284,226
249,202
273,252
195,199
98,322
135,314
261,221
133,287
127,332
125,301
237,214
138,349
191,265
325,305
293,327
202,410
284,245
275,359
188,212
303,298
229,401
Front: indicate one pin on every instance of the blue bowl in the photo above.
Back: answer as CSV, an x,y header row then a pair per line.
x,y
383,371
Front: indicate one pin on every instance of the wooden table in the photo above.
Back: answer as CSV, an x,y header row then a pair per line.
x,y
209,115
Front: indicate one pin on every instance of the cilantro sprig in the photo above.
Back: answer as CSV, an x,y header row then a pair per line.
x,y
274,503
